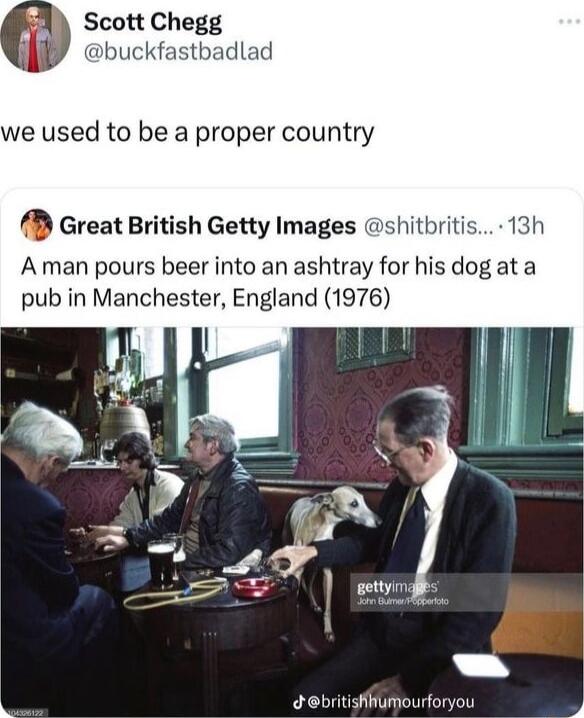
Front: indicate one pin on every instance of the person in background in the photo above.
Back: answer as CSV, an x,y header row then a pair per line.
x,y
150,490
37,51
220,512
57,638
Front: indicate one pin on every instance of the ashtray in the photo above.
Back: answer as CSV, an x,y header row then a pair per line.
x,y
254,588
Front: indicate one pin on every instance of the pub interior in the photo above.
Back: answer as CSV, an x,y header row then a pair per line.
x,y
304,404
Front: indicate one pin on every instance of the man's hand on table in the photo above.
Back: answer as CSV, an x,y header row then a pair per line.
x,y
111,542
92,533
96,532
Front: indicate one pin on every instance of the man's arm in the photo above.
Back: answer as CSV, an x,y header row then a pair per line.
x,y
22,63
52,51
45,562
240,513
362,545
138,536
345,551
164,523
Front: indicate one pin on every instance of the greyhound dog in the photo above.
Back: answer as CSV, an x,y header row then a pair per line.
x,y
313,518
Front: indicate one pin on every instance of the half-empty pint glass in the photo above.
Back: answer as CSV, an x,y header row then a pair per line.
x,y
161,555
179,557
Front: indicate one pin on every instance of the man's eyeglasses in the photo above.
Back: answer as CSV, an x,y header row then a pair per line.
x,y
385,455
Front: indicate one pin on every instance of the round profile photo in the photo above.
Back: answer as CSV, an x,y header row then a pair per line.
x,y
36,225
35,37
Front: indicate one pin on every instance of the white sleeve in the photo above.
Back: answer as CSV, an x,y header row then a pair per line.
x,y
167,491
126,517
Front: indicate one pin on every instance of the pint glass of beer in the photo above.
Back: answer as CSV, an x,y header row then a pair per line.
x,y
179,557
161,555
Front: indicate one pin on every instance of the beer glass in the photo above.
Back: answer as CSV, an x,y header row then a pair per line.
x,y
160,554
179,556
107,450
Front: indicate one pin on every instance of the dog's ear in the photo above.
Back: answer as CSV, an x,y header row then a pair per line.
x,y
324,499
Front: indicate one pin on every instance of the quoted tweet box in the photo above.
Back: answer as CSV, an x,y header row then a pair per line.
x,y
291,257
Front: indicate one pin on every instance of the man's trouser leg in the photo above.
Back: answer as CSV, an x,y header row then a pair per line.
x,y
331,686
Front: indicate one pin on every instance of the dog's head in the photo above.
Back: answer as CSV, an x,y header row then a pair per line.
x,y
349,505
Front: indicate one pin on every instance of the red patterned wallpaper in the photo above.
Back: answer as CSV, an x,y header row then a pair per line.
x,y
91,496
336,412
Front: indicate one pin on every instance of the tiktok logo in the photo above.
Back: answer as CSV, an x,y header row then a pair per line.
x,y
299,702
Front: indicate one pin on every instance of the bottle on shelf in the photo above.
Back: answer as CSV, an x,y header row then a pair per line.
x,y
137,361
157,438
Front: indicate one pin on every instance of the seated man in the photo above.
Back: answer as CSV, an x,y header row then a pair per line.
x,y
56,637
441,516
151,490
220,512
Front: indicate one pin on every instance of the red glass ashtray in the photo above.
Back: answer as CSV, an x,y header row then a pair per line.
x,y
254,588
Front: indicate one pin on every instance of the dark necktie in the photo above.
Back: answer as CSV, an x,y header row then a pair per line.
x,y
406,550
188,510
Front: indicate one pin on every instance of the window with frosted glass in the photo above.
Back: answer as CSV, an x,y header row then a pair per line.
x,y
246,393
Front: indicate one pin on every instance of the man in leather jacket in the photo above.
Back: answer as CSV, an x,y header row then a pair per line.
x,y
221,511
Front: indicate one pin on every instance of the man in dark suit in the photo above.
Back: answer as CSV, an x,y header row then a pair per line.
x,y
441,515
56,636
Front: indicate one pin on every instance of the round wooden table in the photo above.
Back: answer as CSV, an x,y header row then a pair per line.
x,y
97,568
221,627
538,685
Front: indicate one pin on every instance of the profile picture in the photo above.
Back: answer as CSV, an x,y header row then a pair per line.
x,y
36,225
35,37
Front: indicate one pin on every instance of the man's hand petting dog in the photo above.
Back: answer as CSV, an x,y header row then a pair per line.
x,y
298,556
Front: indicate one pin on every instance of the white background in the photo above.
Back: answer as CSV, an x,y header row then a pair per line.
x,y
462,95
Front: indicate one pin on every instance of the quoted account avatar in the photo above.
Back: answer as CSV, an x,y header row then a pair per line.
x,y
37,51
30,226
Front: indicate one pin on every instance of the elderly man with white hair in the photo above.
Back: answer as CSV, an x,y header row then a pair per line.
x,y
56,636
37,51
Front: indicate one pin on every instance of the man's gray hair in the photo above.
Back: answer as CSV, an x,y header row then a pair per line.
x,y
39,433
420,412
214,427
